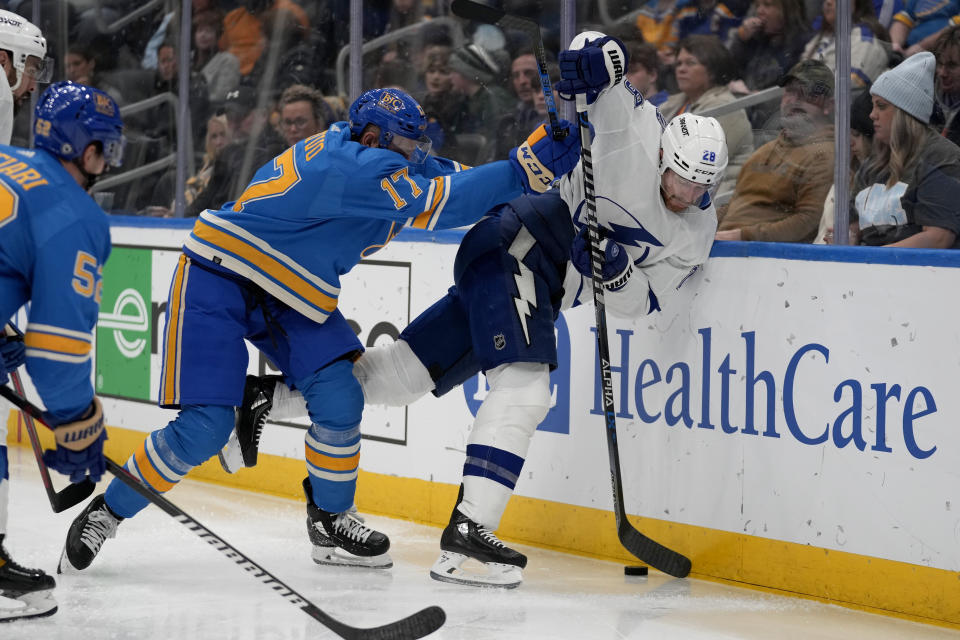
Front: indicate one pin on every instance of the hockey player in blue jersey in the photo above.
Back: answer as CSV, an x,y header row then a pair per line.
x,y
267,268
54,240
516,269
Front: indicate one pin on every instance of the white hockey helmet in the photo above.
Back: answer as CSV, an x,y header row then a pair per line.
x,y
695,148
23,39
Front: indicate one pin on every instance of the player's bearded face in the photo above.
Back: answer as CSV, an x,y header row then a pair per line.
x,y
679,193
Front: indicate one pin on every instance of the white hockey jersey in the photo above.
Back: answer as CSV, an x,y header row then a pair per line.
x,y
666,247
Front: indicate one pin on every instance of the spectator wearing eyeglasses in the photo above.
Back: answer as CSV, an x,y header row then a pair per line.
x,y
303,112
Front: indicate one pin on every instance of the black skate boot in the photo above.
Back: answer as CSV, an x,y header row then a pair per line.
x,y
464,539
244,442
32,587
87,534
341,538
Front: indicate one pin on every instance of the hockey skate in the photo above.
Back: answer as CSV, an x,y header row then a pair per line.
x,y
463,540
31,587
87,534
343,539
241,449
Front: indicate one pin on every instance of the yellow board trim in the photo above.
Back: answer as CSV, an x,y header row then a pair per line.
x,y
912,592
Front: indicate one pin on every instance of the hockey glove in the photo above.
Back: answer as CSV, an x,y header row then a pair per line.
x,y
599,65
617,266
13,352
541,159
80,446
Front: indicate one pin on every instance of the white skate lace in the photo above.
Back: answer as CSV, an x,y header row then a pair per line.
x,y
100,526
352,528
488,536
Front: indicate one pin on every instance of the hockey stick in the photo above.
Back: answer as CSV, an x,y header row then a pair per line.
x,y
419,624
647,549
644,548
71,495
489,15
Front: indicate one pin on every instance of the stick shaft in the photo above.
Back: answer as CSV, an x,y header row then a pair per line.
x,y
644,548
415,626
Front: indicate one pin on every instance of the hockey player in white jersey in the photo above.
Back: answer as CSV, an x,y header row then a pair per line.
x,y
653,187
23,64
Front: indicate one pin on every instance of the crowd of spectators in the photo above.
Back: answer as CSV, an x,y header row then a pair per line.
x,y
264,74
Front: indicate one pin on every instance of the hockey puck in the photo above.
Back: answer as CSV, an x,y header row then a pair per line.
x,y
634,571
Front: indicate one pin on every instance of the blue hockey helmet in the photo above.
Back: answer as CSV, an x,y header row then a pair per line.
x,y
401,120
70,116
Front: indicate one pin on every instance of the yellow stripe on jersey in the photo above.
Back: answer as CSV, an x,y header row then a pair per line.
x,y
330,462
54,343
149,473
440,191
267,263
170,383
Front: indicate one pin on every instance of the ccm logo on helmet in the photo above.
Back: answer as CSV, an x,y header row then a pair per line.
x,y
617,66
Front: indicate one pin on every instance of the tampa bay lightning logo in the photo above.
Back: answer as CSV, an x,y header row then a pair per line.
x,y
635,235
558,418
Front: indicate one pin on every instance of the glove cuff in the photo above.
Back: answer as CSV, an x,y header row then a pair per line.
x,y
80,434
534,172
620,280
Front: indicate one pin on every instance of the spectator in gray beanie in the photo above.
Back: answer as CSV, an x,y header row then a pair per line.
x,y
909,86
905,194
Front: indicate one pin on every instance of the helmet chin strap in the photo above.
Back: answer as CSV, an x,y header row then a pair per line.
x,y
89,178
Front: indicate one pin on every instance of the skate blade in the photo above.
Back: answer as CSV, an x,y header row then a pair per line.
x,y
231,457
37,604
65,566
342,558
448,568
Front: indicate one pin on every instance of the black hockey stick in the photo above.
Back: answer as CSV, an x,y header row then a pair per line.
x,y
644,548
419,624
489,15
647,549
71,495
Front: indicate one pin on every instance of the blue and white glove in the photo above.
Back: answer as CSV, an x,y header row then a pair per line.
x,y
13,353
617,266
588,68
79,449
541,159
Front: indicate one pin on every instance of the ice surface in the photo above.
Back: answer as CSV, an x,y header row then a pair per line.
x,y
157,580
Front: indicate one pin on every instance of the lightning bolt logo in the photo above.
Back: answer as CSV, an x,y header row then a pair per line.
x,y
636,235
526,296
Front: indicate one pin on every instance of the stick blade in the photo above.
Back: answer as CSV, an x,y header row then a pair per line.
x,y
476,11
652,552
72,495
420,624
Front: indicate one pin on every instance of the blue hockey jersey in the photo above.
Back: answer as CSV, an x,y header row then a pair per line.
x,y
54,240
326,203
